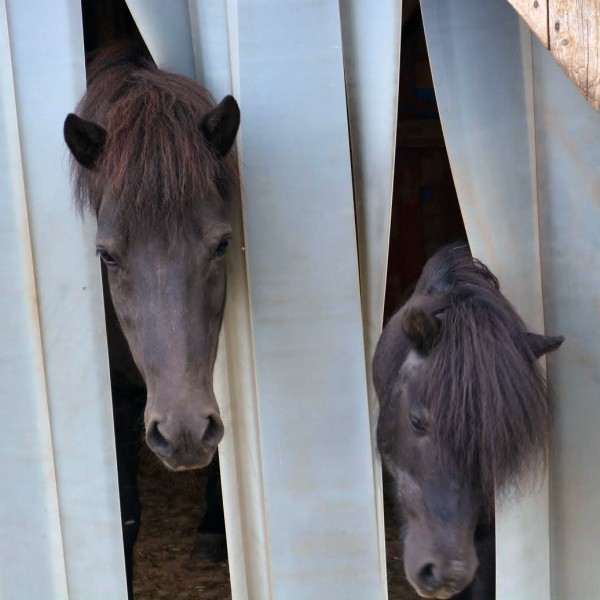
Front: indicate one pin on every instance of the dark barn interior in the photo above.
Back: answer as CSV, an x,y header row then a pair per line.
x,y
425,210
425,216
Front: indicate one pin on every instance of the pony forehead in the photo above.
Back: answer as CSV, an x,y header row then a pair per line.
x,y
407,376
156,162
411,364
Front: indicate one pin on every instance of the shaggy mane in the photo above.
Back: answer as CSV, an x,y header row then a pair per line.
x,y
155,158
489,408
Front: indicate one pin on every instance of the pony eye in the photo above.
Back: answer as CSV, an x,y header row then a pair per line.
x,y
418,424
223,245
107,258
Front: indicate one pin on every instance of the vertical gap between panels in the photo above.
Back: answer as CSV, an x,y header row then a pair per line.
x,y
258,580
368,205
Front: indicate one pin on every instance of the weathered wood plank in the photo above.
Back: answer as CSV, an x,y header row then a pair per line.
x,y
535,14
574,27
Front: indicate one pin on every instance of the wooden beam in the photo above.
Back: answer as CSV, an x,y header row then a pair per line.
x,y
535,14
570,29
574,38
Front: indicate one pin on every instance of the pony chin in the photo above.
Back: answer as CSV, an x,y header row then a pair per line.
x,y
188,467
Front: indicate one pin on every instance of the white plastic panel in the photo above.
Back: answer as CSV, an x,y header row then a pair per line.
x,y
301,240
57,372
165,27
568,142
481,64
214,33
371,46
29,513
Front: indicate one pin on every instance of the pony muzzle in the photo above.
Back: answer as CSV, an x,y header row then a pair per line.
x,y
184,444
441,579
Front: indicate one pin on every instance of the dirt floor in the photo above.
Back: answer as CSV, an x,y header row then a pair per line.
x,y
398,587
172,506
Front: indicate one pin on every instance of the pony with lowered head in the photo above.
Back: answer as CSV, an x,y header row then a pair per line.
x,y
153,162
464,415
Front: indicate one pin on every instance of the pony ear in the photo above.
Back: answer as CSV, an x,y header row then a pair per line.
x,y
85,139
542,344
421,328
220,125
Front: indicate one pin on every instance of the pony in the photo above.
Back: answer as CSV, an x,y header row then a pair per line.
x,y
464,415
152,160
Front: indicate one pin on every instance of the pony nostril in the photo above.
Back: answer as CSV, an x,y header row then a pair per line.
x,y
156,440
428,576
213,432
